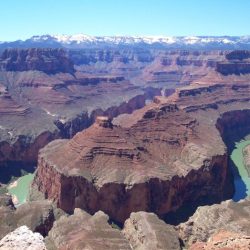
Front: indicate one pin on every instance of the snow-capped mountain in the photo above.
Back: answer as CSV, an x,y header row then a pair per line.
x,y
85,41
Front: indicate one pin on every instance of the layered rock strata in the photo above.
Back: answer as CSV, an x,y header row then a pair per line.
x,y
43,96
159,158
238,62
50,61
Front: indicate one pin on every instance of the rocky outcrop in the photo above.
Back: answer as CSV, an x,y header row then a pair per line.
x,y
224,240
37,215
208,220
50,61
146,231
83,231
22,239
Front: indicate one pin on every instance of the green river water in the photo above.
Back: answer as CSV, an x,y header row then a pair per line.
x,y
21,190
241,178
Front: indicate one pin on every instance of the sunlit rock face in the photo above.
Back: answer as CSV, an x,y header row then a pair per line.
x,y
146,231
23,239
83,231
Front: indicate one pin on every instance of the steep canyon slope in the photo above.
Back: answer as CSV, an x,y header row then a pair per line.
x,y
156,159
52,93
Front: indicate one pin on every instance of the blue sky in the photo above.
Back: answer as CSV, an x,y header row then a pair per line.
x,y
21,19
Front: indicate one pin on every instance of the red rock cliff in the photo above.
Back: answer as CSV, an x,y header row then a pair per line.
x,y
164,155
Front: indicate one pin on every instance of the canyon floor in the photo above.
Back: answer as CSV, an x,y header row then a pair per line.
x,y
134,148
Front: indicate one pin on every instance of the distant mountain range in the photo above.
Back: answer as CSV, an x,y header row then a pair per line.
x,y
81,41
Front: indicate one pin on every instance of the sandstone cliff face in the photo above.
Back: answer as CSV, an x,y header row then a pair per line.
x,y
154,195
50,61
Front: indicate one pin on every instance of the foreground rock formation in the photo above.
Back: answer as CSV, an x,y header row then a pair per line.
x,y
224,240
22,239
145,231
83,231
209,220
38,216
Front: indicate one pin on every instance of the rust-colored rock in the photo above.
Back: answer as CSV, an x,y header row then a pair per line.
x,y
159,158
43,96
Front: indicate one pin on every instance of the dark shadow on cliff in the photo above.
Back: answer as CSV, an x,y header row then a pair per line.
x,y
183,213
10,170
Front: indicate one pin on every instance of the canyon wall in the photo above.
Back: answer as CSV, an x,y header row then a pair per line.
x,y
159,158
50,61
118,200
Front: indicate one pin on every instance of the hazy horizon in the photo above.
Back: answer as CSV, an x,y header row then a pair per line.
x,y
124,18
